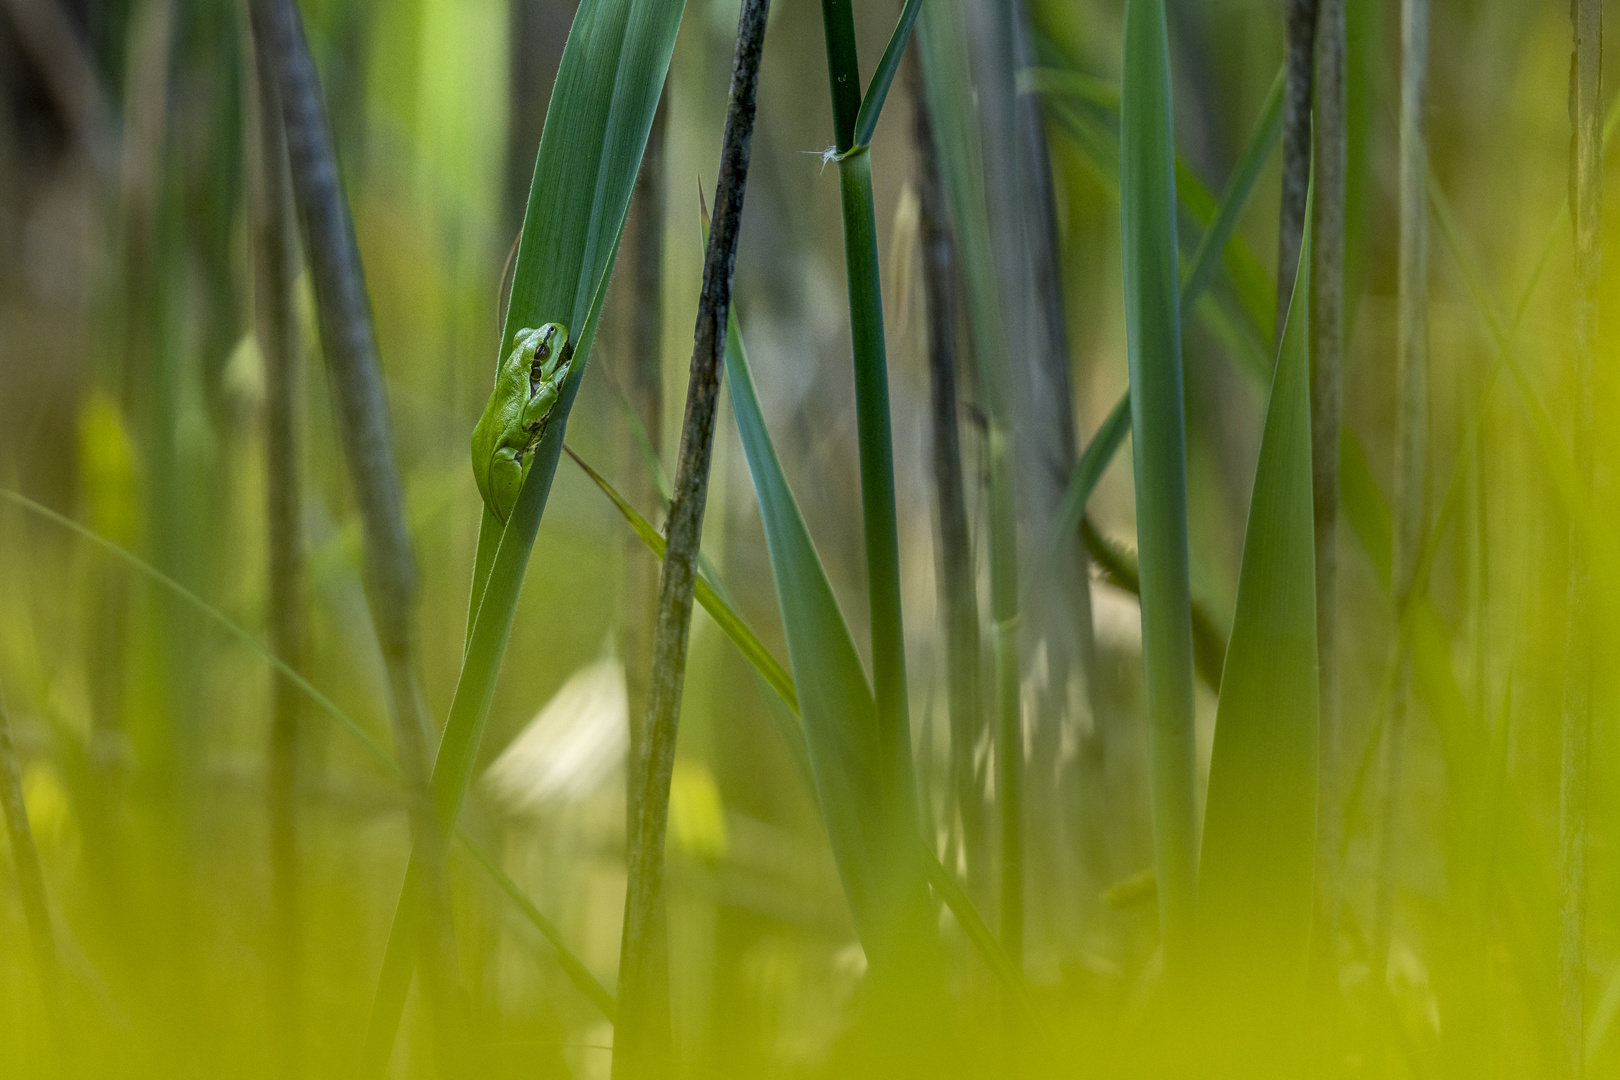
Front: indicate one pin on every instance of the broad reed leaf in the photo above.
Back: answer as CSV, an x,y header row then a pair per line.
x,y
784,710
1147,190
874,833
1256,874
607,88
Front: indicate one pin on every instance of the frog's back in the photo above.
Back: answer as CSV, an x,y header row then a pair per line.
x,y
501,411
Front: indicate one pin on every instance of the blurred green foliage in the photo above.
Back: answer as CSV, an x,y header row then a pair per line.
x,y
131,400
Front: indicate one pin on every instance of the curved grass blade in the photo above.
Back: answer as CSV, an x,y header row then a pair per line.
x,y
1088,471
1256,874
1119,567
1255,154
572,966
1088,110
724,616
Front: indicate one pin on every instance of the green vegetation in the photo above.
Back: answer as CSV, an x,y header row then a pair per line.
x,y
1032,644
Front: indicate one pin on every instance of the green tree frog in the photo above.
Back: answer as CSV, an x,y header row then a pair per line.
x,y
526,388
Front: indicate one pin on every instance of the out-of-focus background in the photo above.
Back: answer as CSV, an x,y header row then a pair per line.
x,y
131,401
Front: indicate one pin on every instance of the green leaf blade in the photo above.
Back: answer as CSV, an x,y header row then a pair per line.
x,y
1256,883
878,89
1153,341
875,836
606,91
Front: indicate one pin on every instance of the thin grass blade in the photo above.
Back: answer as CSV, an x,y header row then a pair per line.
x,y
877,91
572,966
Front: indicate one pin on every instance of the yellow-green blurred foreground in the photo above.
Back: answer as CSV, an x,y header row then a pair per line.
x,y
1446,940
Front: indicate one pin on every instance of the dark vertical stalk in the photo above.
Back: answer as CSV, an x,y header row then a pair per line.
x,y
1411,434
1327,352
645,390
642,1041
349,345
1299,56
956,579
30,878
275,326
1586,204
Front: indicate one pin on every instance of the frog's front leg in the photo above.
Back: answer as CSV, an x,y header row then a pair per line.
x,y
539,406
505,480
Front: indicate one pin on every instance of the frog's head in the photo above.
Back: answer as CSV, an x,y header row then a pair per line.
x,y
548,351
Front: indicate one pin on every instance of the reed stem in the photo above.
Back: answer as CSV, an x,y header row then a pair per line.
x,y
956,577
876,450
642,1043
1327,393
1411,438
348,342
644,391
1299,60
275,328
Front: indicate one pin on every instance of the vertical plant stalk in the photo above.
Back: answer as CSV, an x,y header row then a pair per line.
x,y
1300,63
1055,620
1411,434
642,1040
30,877
945,60
1014,457
1327,359
1586,195
645,390
1009,712
956,579
1041,229
349,345
878,514
275,327
1153,340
